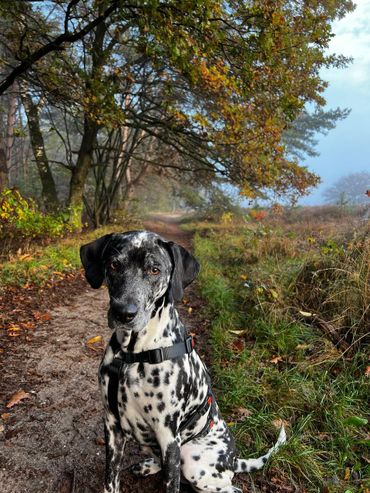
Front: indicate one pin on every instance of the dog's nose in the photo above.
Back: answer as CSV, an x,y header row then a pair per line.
x,y
124,313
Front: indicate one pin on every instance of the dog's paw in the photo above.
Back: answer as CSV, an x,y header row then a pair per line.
x,y
137,469
146,468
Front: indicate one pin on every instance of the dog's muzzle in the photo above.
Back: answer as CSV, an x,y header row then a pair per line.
x,y
124,313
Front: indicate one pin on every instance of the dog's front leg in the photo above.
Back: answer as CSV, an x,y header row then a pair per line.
x,y
115,441
170,449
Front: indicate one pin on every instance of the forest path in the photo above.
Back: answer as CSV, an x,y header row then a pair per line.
x,y
53,441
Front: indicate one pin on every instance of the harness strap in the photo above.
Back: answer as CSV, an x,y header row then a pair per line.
x,y
197,414
152,356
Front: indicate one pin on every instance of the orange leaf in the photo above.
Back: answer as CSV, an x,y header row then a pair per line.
x,y
93,340
95,343
14,328
278,423
42,316
5,416
276,360
17,397
27,325
367,371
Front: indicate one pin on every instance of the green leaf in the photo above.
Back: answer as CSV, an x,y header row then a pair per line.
x,y
355,421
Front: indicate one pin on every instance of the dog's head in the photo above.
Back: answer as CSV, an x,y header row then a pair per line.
x,y
139,268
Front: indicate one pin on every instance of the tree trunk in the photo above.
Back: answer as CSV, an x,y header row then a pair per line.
x,y
81,170
9,138
4,183
49,192
4,179
89,138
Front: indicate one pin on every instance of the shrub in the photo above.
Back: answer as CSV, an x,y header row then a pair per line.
x,y
21,221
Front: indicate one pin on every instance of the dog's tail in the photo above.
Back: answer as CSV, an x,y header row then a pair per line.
x,y
250,465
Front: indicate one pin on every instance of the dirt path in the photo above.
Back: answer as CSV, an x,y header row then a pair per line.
x,y
53,441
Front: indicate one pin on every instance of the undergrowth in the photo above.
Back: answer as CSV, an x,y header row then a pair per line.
x,y
265,289
41,265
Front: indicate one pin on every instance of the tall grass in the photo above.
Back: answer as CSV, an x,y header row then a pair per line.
x,y
271,361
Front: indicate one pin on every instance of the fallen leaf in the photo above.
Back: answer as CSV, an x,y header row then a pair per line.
x,y
347,474
276,360
238,345
5,416
274,294
14,328
323,436
25,256
302,346
28,325
17,397
278,423
367,371
306,314
94,340
243,412
100,441
244,277
238,332
2,428
190,309
42,316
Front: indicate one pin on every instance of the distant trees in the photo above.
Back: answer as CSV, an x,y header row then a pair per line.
x,y
114,90
349,190
300,136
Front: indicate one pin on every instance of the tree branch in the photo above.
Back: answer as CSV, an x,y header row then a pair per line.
x,y
55,45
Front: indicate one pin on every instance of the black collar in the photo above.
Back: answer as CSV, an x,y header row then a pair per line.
x,y
155,356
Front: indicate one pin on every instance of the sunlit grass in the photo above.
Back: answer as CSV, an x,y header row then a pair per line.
x,y
43,264
278,367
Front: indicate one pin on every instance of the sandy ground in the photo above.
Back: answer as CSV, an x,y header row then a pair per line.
x,y
53,441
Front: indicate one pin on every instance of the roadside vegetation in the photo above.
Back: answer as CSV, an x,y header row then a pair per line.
x,y
39,248
289,304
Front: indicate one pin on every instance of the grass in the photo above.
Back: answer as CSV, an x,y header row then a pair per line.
x,y
271,363
43,264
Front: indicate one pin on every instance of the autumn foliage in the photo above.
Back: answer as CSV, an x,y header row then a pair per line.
x,y
195,87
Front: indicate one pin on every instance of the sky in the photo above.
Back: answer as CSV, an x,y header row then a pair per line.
x,y
346,149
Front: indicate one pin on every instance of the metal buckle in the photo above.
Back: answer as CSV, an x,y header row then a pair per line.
x,y
189,344
155,356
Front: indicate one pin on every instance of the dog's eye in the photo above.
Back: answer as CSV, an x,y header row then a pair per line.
x,y
154,271
115,265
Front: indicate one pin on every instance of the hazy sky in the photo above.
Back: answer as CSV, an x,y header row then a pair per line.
x,y
346,149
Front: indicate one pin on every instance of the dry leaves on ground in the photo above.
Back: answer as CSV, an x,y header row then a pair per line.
x,y
17,397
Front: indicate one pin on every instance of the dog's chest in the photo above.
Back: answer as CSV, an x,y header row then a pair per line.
x,y
152,398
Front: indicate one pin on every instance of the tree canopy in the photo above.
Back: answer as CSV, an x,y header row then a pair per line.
x,y
211,86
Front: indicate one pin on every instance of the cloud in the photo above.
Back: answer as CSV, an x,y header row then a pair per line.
x,y
352,39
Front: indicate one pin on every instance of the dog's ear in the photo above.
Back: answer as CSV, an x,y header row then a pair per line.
x,y
185,269
92,259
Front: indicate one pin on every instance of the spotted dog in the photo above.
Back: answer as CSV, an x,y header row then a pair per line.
x,y
155,388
